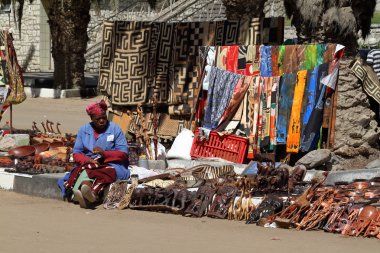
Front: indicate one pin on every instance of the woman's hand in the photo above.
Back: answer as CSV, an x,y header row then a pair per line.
x,y
98,150
92,161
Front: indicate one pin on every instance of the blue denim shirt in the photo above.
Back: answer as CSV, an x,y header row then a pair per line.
x,y
111,139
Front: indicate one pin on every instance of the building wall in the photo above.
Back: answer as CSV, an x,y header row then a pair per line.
x,y
33,45
26,41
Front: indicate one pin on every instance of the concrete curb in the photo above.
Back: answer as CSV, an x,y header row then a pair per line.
x,y
45,185
57,93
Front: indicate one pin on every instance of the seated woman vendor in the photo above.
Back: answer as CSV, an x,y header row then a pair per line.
x,y
101,156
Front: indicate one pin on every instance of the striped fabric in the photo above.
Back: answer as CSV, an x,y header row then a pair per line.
x,y
373,59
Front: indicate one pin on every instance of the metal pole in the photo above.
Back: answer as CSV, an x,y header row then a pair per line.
x,y
11,119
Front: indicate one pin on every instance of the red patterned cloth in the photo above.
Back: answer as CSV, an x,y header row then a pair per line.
x,y
96,109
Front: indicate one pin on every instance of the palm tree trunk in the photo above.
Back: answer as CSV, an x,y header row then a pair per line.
x,y
68,21
356,135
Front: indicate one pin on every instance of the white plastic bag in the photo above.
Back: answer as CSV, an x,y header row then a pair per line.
x,y
182,145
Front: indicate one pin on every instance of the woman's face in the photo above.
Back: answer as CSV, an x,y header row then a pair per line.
x,y
100,122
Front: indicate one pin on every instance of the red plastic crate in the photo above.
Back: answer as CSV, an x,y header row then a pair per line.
x,y
228,147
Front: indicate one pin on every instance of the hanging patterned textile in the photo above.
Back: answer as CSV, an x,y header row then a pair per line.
x,y
290,61
321,48
285,101
300,50
310,96
329,53
222,85
242,60
207,57
253,60
266,61
274,56
280,59
221,57
294,131
232,59
124,62
161,55
310,56
262,102
249,32
267,110
238,95
15,78
311,131
254,92
273,111
273,31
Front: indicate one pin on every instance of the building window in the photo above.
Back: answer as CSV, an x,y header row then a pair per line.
x,y
5,6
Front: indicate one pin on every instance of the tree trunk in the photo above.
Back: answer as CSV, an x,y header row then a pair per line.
x,y
247,9
68,21
356,135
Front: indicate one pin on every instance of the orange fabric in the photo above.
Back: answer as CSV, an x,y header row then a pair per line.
x,y
254,108
294,132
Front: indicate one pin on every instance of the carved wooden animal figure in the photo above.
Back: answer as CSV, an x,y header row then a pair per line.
x,y
180,198
238,207
250,207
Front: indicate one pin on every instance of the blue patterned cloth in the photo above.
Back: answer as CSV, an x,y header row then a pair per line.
x,y
221,87
285,102
266,61
310,95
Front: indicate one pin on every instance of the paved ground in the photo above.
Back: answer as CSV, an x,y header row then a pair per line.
x,y
70,112
31,224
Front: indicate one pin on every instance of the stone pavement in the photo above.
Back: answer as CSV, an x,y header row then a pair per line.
x,y
70,112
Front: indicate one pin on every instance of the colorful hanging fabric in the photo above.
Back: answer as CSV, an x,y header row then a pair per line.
x,y
281,55
369,78
311,131
290,61
253,60
15,78
300,49
274,56
222,85
294,131
310,56
310,96
254,92
249,31
285,101
238,95
265,113
321,48
273,30
328,56
266,61
232,58
207,56
242,60
221,57
273,112
260,119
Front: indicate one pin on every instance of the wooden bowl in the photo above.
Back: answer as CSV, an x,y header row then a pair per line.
x,y
22,151
56,144
41,147
361,185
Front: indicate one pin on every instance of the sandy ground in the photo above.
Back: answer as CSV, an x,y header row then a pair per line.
x,y
31,224
70,112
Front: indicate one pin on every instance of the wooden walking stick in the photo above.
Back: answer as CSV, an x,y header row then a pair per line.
x,y
155,126
137,130
145,131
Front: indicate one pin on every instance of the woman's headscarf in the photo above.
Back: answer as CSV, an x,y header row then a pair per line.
x,y
96,109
